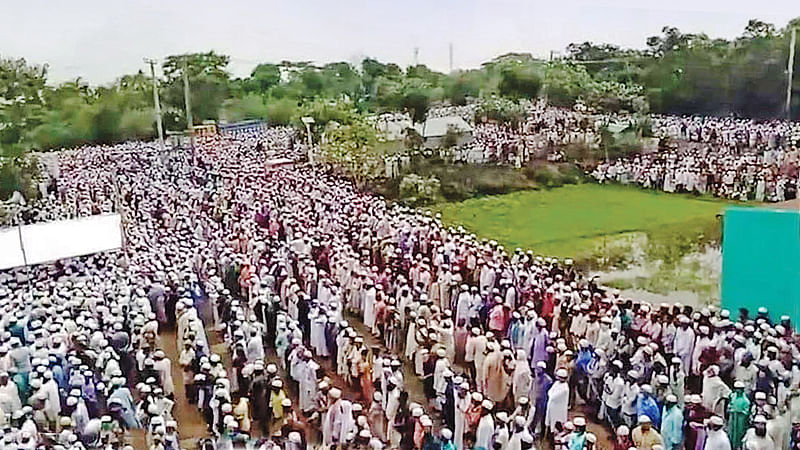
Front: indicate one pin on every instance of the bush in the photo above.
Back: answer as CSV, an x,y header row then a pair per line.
x,y
455,192
500,110
19,174
281,112
416,190
136,124
570,174
550,176
249,107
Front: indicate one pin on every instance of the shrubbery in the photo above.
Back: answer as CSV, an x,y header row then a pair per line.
x,y
416,190
462,181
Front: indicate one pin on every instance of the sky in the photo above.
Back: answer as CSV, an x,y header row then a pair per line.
x,y
101,40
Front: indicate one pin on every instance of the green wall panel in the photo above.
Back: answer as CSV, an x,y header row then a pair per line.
x,y
761,261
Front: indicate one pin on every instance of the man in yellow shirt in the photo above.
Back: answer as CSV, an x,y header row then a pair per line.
x,y
643,436
276,398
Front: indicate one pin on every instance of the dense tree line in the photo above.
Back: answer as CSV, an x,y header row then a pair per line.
x,y
695,74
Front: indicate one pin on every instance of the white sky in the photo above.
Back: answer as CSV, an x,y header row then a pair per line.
x,y
101,40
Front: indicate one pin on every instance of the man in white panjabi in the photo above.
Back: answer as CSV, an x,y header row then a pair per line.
x,y
557,401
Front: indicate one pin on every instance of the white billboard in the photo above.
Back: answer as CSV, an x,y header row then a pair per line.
x,y
10,250
50,241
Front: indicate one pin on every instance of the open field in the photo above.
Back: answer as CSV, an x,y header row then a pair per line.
x,y
580,220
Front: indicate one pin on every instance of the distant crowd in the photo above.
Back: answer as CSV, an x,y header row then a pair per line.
x,y
740,159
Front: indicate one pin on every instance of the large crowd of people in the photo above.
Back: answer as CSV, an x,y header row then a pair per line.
x,y
542,133
332,305
771,175
740,159
730,158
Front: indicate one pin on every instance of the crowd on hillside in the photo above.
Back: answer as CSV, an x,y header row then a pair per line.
x,y
729,158
732,133
330,302
739,159
542,131
771,175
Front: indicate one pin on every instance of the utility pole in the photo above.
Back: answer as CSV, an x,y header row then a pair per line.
x,y
451,57
186,95
790,71
156,101
308,121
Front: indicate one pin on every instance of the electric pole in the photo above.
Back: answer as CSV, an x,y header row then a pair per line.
x,y
790,71
156,101
451,57
186,95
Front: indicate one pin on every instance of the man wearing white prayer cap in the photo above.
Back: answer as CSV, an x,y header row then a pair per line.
x,y
644,436
486,428
715,391
557,401
758,437
716,437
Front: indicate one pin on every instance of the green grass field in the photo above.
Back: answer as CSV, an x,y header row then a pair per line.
x,y
572,221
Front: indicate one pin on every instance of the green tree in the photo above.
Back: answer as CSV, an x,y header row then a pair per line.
x,y
341,79
249,107
416,100
263,77
282,111
412,139
519,82
757,29
22,89
500,110
450,139
463,84
209,84
566,83
352,148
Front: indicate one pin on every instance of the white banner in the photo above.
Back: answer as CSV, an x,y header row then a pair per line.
x,y
50,241
10,250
